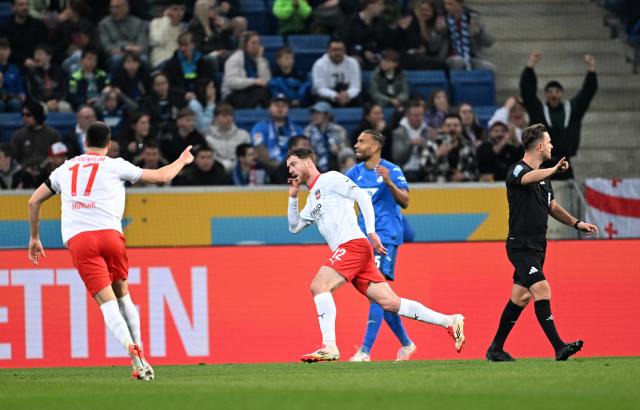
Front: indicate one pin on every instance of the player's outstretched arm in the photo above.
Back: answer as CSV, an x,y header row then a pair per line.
x,y
561,215
168,172
35,202
535,176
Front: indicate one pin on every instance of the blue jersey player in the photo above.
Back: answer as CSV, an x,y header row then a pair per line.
x,y
389,191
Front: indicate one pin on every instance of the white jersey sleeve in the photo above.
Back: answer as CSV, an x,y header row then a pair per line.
x,y
127,171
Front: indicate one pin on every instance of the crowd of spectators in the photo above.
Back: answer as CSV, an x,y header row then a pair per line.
x,y
149,73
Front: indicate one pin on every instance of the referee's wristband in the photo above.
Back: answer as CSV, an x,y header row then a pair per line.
x,y
575,225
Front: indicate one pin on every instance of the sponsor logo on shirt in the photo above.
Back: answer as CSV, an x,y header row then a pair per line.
x,y
316,211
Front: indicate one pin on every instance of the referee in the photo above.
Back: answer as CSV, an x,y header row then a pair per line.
x,y
531,200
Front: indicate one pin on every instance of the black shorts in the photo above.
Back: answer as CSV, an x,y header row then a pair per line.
x,y
527,257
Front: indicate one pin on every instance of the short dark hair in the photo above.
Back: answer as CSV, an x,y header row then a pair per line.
x,y
452,115
202,148
4,42
302,153
391,55
377,136
44,47
98,135
224,108
335,40
282,51
185,112
151,143
5,149
89,50
294,140
532,134
241,149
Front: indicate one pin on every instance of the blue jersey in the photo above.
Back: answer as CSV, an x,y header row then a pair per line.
x,y
388,217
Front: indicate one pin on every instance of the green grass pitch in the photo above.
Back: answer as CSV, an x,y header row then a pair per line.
x,y
589,383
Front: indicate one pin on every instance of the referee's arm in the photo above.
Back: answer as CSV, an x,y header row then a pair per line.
x,y
537,175
561,215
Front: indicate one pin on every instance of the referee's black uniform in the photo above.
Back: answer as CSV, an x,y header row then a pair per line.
x,y
528,215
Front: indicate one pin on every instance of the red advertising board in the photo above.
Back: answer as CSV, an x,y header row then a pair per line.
x,y
252,304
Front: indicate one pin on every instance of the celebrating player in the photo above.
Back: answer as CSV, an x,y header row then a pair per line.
x,y
93,198
531,201
330,206
388,189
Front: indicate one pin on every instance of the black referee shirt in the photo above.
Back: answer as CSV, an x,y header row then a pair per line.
x,y
528,204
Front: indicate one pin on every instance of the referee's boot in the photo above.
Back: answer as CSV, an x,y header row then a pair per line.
x,y
569,350
495,355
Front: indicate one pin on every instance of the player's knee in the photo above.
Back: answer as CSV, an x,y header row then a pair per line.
x,y
317,287
523,300
390,304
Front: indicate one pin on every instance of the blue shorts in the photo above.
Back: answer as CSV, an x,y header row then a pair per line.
x,y
387,263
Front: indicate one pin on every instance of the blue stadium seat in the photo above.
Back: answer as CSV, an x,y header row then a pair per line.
x,y
10,122
247,118
64,122
425,82
301,116
307,49
255,11
272,20
484,113
5,13
476,87
271,46
349,118
366,79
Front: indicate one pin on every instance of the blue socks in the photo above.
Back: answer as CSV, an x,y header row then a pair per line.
x,y
373,326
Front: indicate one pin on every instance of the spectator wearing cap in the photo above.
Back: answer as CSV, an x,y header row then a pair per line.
x,y
271,136
562,118
172,143
74,140
336,77
327,138
467,38
24,32
187,65
224,136
86,84
12,92
164,32
515,116
247,171
30,144
497,154
286,80
12,175
58,154
204,171
292,16
409,140
389,86
46,82
121,32
247,74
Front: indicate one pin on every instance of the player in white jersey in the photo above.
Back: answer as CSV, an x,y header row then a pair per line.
x,y
330,206
93,197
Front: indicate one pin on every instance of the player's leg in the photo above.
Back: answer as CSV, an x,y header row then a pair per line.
x,y
541,292
393,320
106,299
381,293
326,281
128,309
520,297
374,321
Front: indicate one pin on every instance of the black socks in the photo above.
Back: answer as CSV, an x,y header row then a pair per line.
x,y
545,318
509,316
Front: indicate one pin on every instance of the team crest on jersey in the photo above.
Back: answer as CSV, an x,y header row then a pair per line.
x,y
317,194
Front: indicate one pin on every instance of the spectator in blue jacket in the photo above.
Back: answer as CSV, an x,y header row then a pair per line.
x,y
286,80
12,92
271,136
